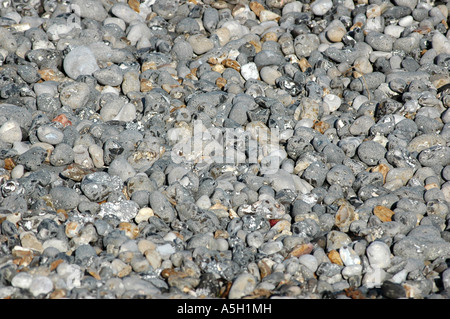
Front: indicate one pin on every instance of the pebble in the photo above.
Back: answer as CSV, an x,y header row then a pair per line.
x,y
200,44
10,132
22,280
80,61
321,7
378,254
75,95
94,202
242,286
161,206
40,285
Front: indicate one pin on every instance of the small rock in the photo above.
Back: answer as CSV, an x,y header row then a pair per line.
x,y
379,254
321,7
80,61
10,132
40,285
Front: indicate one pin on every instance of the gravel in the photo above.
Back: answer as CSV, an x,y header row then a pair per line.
x,y
224,149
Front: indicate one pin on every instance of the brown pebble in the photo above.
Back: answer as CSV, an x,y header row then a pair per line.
x,y
221,234
431,186
354,293
269,36
257,46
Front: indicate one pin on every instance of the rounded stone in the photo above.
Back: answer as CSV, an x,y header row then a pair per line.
x,y
80,61
379,254
40,285
242,286
10,132
371,152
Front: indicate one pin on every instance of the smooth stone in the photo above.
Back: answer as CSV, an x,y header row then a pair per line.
x,y
49,134
269,75
379,254
321,7
125,13
309,261
250,71
379,41
161,206
75,95
242,286
305,44
336,32
40,285
200,43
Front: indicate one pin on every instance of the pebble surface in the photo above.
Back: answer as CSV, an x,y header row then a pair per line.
x,y
349,200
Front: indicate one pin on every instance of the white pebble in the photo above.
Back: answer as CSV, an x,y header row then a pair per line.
x,y
379,254
96,153
249,71
71,274
358,101
10,132
18,171
165,250
144,214
394,31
